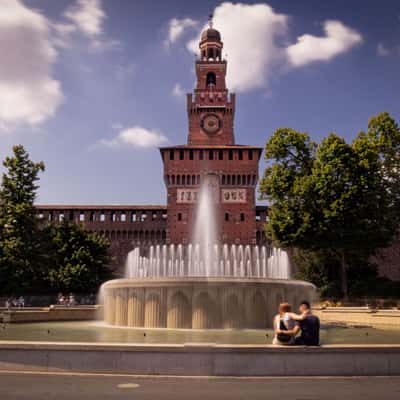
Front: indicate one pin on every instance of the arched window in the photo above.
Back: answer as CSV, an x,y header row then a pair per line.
x,y
226,216
211,79
242,217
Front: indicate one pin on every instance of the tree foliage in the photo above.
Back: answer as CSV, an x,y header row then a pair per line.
x,y
19,234
334,195
35,258
78,260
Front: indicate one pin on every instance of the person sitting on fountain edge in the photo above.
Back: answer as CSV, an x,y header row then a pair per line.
x,y
309,326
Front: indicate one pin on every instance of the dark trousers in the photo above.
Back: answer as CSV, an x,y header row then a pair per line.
x,y
299,341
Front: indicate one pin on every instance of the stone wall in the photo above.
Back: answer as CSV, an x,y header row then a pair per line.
x,y
201,360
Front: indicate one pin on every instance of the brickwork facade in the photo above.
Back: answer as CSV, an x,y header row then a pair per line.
x,y
126,227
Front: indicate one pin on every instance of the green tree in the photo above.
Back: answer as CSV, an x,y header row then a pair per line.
x,y
338,196
20,267
78,260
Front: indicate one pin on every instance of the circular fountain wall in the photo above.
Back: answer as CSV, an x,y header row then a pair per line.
x,y
203,285
199,303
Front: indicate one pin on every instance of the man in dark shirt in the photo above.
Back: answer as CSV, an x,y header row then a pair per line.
x,y
309,327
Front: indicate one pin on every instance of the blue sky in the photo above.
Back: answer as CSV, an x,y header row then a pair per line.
x,y
93,87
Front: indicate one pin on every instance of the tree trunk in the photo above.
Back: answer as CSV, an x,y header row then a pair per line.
x,y
343,276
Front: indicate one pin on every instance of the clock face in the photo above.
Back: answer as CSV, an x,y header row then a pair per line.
x,y
211,123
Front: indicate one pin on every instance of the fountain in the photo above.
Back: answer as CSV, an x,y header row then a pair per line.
x,y
204,284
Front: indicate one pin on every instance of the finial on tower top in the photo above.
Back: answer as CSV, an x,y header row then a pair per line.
x,y
210,21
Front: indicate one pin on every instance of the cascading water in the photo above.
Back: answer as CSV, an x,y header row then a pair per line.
x,y
205,257
205,230
237,261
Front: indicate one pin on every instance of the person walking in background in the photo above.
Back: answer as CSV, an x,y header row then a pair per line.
x,y
21,302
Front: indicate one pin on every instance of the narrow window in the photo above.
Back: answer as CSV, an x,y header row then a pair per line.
x,y
250,154
221,155
102,216
211,155
81,216
242,217
211,79
179,217
171,155
240,154
230,155
201,155
181,154
226,216
123,216
190,154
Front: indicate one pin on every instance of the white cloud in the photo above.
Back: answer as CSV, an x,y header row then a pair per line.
x,y
338,39
177,27
136,136
28,92
252,35
249,34
177,90
87,15
62,34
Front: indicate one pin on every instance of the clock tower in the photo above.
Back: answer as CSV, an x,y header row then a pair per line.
x,y
211,110
211,157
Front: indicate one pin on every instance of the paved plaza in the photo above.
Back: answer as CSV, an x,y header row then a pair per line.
x,y
37,386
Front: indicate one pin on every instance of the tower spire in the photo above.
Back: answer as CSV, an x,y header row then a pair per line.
x,y
210,21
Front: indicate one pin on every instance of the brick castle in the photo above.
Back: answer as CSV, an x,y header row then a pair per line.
x,y
210,153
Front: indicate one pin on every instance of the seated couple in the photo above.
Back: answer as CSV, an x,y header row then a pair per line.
x,y
296,329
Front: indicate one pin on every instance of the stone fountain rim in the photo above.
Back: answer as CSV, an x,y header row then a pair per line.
x,y
208,281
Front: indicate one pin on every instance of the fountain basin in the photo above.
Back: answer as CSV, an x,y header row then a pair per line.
x,y
200,302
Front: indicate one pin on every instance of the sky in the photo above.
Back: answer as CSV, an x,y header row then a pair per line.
x,y
94,87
